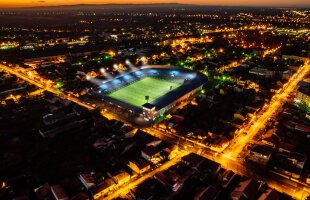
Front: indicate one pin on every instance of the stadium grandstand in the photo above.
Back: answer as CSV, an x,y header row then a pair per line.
x,y
151,91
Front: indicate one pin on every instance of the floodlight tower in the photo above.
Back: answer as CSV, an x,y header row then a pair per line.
x,y
115,66
105,73
95,81
130,65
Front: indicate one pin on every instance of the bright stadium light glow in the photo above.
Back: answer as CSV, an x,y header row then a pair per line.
x,y
138,73
127,62
116,81
174,73
127,77
153,71
96,81
191,76
130,65
105,73
102,70
118,67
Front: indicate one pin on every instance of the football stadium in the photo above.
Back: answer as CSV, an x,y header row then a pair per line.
x,y
150,91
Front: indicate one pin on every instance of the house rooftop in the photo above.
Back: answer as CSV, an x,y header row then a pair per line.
x,y
80,196
141,164
150,151
263,149
121,176
58,192
245,190
269,194
209,193
304,90
206,166
42,191
286,146
103,185
192,159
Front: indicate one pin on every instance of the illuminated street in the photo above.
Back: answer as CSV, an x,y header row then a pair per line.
x,y
42,85
127,187
259,120
230,157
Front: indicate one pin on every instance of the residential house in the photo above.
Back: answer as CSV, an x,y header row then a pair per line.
x,y
209,193
262,71
59,193
289,164
270,138
101,190
150,153
80,196
50,192
121,178
286,147
139,167
220,144
269,194
227,178
128,131
247,189
88,180
261,154
303,95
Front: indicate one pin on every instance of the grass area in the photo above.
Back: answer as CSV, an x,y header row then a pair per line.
x,y
134,94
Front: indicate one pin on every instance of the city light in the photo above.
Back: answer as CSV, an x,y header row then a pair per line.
x,y
59,84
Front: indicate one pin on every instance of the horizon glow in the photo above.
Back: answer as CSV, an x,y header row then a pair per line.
x,y
34,3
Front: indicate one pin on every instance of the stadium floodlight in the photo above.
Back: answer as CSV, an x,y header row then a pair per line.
x,y
191,76
105,73
93,80
130,65
118,67
127,62
102,70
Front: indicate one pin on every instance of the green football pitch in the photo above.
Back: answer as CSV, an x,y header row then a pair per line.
x,y
134,94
